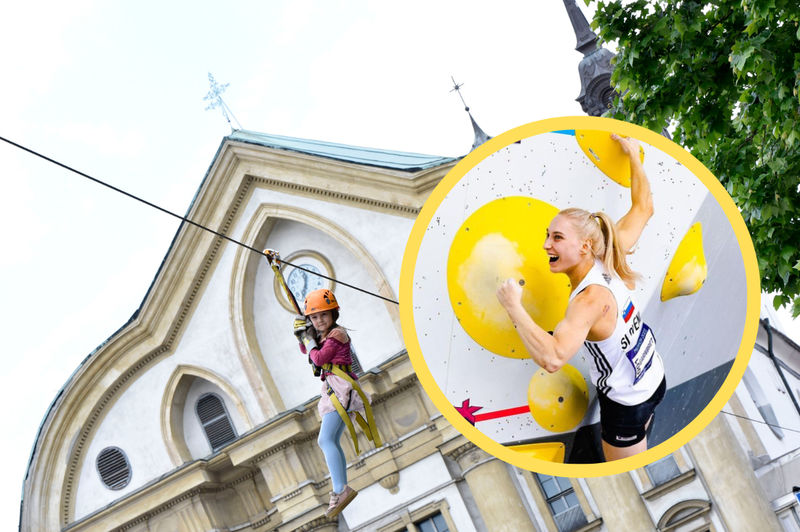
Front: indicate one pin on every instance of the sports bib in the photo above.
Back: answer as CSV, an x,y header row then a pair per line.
x,y
641,356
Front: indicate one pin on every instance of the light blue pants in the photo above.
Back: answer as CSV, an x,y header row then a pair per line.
x,y
329,434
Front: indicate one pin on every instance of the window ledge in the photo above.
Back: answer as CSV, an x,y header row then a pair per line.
x,y
669,485
591,527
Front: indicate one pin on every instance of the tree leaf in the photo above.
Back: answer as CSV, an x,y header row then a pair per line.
x,y
733,96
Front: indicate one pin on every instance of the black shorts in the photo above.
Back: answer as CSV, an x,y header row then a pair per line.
x,y
623,426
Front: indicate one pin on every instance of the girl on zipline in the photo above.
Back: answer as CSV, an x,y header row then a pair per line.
x,y
343,400
602,314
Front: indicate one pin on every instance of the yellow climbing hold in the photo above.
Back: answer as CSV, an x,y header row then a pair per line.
x,y
688,270
606,154
502,240
559,400
548,451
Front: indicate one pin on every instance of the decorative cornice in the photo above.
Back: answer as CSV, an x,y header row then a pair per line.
x,y
137,521
670,485
311,437
185,496
412,381
318,524
295,188
461,451
260,523
239,480
281,446
292,494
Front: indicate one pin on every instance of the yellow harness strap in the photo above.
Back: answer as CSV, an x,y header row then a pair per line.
x,y
368,426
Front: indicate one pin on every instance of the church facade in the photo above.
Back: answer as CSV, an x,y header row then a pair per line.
x,y
200,413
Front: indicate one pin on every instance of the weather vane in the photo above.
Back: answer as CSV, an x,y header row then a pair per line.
x,y
457,88
215,96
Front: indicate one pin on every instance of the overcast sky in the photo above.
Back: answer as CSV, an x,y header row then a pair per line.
x,y
116,91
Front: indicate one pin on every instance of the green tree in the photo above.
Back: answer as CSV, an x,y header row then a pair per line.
x,y
726,75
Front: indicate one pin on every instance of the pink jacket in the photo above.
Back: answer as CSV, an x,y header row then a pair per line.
x,y
335,349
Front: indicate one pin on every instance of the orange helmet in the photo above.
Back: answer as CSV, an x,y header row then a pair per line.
x,y
320,300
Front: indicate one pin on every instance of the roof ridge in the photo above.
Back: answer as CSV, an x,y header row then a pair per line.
x,y
398,160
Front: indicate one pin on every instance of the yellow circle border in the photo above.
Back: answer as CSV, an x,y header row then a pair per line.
x,y
407,305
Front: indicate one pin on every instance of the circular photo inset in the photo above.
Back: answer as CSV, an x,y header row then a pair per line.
x,y
579,296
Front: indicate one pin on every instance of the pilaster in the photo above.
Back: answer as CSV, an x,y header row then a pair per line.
x,y
494,491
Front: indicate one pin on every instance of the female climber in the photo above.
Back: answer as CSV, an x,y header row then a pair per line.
x,y
602,314
328,346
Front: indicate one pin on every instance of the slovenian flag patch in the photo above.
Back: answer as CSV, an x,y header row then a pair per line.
x,y
628,312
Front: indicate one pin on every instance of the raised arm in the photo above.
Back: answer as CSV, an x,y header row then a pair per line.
x,y
552,352
630,226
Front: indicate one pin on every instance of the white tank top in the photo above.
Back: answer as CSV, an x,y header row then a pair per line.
x,y
625,366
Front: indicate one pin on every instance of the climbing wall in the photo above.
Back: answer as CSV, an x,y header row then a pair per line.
x,y
491,226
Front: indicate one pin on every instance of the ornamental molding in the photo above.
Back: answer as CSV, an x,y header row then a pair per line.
x,y
412,382
270,452
320,523
339,197
390,482
461,451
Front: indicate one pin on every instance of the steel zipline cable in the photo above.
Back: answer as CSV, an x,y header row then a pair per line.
x,y
757,421
153,205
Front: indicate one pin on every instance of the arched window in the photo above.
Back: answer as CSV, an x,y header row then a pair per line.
x,y
215,420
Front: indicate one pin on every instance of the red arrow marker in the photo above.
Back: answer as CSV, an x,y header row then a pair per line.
x,y
469,412
503,413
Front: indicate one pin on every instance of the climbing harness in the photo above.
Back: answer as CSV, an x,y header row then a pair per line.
x,y
368,425
319,301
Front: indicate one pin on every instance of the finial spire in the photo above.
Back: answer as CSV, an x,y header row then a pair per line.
x,y
587,39
215,95
594,69
480,136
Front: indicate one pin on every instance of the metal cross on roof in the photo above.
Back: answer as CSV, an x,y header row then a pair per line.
x,y
480,136
215,95
457,88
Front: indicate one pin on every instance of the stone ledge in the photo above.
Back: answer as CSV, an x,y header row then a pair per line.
x,y
591,527
670,485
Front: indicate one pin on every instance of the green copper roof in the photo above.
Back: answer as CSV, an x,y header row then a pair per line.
x,y
397,160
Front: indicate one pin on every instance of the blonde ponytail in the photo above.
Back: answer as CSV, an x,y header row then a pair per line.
x,y
600,229
614,257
